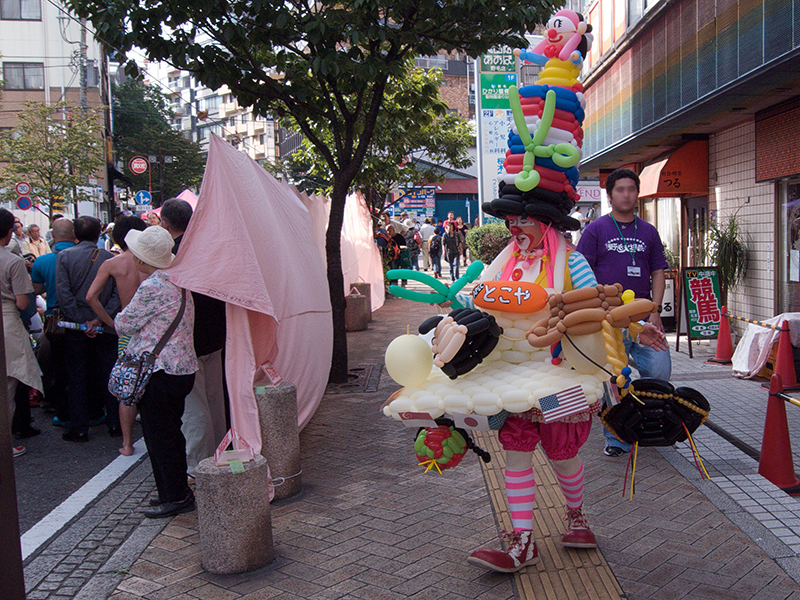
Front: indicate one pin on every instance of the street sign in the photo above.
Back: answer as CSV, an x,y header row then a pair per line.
x,y
140,208
138,165
23,188
24,203
143,197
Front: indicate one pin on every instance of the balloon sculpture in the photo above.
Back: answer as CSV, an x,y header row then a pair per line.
x,y
530,349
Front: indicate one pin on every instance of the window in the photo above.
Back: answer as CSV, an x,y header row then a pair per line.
x,y
186,82
211,103
23,76
22,10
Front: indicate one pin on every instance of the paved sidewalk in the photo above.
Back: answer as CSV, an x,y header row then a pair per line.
x,y
370,524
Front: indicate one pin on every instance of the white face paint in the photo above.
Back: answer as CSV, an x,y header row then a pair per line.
x,y
558,30
526,232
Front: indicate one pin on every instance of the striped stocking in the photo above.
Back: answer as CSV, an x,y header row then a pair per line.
x,y
521,492
572,486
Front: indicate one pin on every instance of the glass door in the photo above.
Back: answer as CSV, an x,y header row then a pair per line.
x,y
787,259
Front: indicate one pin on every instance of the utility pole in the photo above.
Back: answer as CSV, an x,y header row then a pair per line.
x,y
84,82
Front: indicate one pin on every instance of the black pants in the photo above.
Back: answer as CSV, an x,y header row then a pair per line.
x,y
56,380
161,409
22,413
89,362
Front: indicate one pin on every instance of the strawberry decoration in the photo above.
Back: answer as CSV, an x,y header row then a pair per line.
x,y
442,445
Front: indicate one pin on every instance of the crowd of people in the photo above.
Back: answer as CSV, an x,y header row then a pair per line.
x,y
84,295
402,242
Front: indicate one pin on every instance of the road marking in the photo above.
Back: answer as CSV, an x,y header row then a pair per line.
x,y
57,519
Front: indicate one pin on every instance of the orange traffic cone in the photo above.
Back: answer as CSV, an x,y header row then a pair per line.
x,y
776,462
784,361
724,342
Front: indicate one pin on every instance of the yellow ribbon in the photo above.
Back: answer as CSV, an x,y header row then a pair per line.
x,y
431,463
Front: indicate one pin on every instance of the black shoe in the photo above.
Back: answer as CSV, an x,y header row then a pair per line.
x,y
154,501
170,509
114,432
613,451
26,433
74,436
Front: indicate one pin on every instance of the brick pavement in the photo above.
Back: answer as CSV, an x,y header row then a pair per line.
x,y
370,524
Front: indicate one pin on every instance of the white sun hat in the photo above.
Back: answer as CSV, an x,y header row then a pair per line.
x,y
152,246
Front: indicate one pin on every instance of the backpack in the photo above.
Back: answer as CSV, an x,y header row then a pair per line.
x,y
436,244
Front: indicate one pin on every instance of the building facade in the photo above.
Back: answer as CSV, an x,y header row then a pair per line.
x,y
41,55
702,99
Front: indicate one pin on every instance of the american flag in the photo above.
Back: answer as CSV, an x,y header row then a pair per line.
x,y
566,402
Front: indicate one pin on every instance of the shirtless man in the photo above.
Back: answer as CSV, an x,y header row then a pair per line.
x,y
127,278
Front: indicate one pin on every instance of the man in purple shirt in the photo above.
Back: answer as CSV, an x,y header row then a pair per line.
x,y
622,248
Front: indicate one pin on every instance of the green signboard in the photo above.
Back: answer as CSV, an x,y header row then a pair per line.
x,y
701,304
494,89
499,60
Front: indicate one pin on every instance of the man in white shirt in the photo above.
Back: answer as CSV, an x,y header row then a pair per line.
x,y
426,233
577,215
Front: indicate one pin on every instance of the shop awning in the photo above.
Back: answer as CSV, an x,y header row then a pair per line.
x,y
458,186
683,173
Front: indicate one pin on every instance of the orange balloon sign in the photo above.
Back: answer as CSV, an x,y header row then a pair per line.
x,y
510,296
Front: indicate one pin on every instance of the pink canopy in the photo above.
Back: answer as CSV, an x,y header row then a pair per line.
x,y
361,259
187,195
250,243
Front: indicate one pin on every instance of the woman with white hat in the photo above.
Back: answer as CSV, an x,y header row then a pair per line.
x,y
149,315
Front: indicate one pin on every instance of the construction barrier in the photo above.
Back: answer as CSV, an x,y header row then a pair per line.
x,y
776,463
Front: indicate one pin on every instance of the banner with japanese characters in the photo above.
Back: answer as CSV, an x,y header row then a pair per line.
x,y
702,302
495,72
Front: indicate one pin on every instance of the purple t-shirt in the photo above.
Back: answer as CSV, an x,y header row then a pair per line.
x,y
609,254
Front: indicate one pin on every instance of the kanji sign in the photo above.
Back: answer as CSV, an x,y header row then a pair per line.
x,y
494,90
138,165
418,198
702,301
498,60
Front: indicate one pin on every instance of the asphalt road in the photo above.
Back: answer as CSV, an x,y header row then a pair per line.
x,y
53,469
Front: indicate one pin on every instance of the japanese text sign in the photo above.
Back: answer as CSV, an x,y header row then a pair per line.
x,y
701,293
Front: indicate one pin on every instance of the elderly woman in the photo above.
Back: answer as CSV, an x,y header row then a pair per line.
x,y
149,315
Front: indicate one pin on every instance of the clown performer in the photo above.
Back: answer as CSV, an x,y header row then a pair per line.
x,y
517,291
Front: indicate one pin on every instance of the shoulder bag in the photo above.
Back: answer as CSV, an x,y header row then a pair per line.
x,y
131,373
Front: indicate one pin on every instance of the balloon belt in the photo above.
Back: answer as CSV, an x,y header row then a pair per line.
x,y
564,155
441,292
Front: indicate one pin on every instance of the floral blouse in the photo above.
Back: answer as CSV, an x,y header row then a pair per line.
x,y
147,318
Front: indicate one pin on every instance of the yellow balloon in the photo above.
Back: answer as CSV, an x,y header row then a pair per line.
x,y
592,346
628,296
409,360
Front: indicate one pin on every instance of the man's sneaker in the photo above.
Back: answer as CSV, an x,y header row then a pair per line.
x,y
578,534
18,450
613,451
521,553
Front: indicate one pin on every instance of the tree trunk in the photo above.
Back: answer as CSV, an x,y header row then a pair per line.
x,y
333,251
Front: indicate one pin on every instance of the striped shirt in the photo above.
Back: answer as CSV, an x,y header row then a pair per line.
x,y
580,271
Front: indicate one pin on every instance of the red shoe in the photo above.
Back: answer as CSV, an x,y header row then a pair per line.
x,y
33,398
578,534
521,553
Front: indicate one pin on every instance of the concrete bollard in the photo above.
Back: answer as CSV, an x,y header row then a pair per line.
x,y
280,437
357,313
234,517
365,289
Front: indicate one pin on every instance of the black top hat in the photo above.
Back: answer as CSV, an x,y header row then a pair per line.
x,y
545,205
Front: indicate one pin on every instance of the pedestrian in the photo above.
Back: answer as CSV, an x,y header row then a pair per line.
x,y
43,276
153,219
204,422
126,279
18,244
451,217
622,248
395,244
154,307
413,240
91,356
48,237
452,243
105,242
462,228
436,252
15,287
426,233
381,237
578,216
593,212
36,245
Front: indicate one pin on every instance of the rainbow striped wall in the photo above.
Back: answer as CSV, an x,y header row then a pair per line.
x,y
688,52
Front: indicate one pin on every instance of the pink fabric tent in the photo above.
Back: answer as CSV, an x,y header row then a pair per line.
x,y
361,259
247,244
187,195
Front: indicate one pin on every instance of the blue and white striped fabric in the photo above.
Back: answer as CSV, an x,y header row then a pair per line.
x,y
580,271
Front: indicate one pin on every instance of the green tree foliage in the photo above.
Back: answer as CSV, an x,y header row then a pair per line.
x,y
487,241
327,64
412,143
55,148
142,128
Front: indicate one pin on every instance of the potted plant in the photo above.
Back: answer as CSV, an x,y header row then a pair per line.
x,y
726,249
